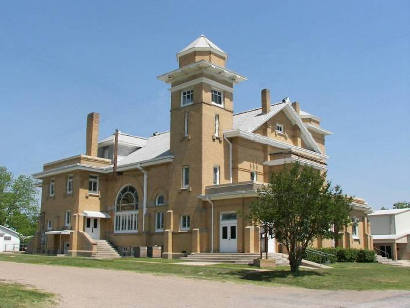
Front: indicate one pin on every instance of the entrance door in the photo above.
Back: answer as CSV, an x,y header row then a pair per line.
x,y
92,227
228,233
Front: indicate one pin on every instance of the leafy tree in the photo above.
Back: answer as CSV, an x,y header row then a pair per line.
x,y
300,205
401,205
18,202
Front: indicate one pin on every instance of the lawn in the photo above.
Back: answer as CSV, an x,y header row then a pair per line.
x,y
349,276
14,295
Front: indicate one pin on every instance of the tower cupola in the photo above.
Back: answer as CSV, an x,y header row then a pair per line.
x,y
202,49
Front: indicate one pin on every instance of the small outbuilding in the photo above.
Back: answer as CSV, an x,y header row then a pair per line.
x,y
9,240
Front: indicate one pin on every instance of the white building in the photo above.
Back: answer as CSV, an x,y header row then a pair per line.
x,y
391,233
9,240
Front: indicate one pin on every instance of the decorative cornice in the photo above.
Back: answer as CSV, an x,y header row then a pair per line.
x,y
193,82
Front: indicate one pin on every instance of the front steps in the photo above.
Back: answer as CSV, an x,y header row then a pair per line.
x,y
105,251
237,258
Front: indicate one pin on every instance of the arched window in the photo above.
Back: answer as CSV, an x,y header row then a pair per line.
x,y
127,199
160,200
126,211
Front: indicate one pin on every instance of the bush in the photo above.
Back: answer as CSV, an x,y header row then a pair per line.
x,y
318,256
345,255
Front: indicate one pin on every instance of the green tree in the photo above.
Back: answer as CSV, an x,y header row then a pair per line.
x,y
18,202
401,205
300,205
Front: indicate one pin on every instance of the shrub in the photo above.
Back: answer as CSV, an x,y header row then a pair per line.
x,y
345,255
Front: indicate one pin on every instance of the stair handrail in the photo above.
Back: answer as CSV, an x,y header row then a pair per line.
x,y
321,253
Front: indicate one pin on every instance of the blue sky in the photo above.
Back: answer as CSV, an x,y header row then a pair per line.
x,y
347,62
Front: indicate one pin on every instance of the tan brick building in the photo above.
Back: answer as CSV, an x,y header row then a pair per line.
x,y
187,190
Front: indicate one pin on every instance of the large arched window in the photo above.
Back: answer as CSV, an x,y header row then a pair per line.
x,y
127,199
126,210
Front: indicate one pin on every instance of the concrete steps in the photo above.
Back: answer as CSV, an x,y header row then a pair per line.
x,y
105,251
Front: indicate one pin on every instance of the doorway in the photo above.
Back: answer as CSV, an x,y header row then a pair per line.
x,y
92,227
228,232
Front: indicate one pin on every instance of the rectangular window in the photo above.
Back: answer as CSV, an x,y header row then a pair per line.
x,y
216,128
217,97
126,222
7,238
187,97
254,176
185,222
186,124
185,177
93,184
70,184
355,227
49,225
67,220
279,128
216,175
159,221
51,189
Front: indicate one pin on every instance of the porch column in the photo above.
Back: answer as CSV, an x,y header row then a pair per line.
x,y
169,215
195,245
249,239
394,250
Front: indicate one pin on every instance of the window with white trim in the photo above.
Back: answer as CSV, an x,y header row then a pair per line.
x,y
186,124
70,184
160,200
187,97
49,225
216,175
185,177
159,221
216,126
67,219
185,223
217,97
355,227
279,128
93,184
126,211
51,188
254,176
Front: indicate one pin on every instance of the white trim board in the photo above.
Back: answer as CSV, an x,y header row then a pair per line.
x,y
201,80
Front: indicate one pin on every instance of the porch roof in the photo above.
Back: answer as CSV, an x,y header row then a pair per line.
x,y
62,232
95,214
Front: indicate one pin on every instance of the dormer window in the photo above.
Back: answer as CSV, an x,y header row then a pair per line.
x,y
279,128
187,97
217,97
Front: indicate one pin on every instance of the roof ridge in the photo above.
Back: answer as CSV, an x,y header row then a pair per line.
x,y
278,103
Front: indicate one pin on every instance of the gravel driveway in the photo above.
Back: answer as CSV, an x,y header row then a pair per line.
x,y
88,287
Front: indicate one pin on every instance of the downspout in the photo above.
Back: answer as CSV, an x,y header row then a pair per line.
x,y
230,158
212,222
144,203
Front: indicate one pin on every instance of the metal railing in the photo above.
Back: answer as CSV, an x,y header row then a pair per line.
x,y
322,254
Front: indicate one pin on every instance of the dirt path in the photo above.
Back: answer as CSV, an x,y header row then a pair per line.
x,y
87,287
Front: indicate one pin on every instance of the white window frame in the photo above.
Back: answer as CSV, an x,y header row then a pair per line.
x,y
218,93
49,225
157,203
69,185
216,125
185,183
185,224
279,128
186,124
159,217
216,173
67,218
355,228
126,222
52,188
97,180
254,176
184,94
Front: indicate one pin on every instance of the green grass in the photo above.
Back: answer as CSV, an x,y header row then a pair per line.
x,y
14,295
349,276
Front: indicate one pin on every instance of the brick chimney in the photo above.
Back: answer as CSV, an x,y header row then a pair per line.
x,y
296,106
93,121
265,94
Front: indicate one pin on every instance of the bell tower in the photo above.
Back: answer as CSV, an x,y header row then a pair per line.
x,y
201,110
